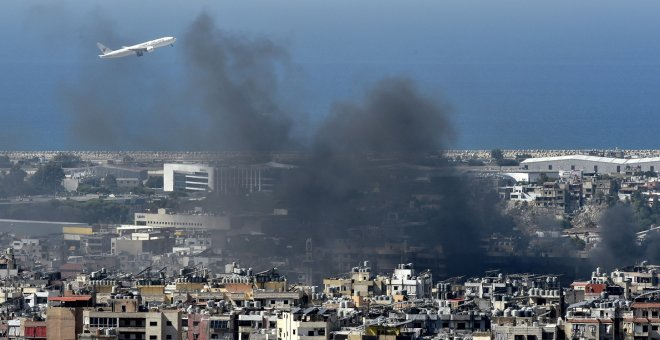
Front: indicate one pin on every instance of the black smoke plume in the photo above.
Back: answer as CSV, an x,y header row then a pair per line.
x,y
226,97
374,165
236,79
618,244
374,158
394,118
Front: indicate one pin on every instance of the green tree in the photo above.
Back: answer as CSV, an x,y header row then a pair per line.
x,y
5,162
497,155
178,194
14,182
127,159
140,189
110,183
48,178
154,182
67,160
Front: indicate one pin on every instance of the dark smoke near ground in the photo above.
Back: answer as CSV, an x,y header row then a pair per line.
x,y
394,120
619,246
374,166
347,184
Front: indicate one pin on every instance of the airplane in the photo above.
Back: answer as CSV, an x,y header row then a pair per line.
x,y
138,49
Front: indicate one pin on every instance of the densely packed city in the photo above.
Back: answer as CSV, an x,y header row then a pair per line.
x,y
329,170
131,246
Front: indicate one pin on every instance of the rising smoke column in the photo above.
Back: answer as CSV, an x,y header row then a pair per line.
x,y
228,98
225,98
617,247
393,119
236,80
339,185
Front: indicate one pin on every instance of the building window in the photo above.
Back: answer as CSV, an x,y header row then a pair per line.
x,y
153,337
652,168
153,323
549,166
595,168
169,323
168,337
219,324
572,167
618,168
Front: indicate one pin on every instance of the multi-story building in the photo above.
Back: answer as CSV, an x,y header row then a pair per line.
x,y
64,319
8,266
306,324
361,282
404,281
163,218
248,178
643,321
591,164
130,321
188,177
552,195
142,240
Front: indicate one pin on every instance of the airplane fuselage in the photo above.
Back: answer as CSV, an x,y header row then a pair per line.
x,y
138,49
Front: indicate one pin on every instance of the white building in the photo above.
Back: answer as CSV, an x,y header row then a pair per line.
x,y
306,324
405,280
8,267
183,221
188,177
36,298
591,164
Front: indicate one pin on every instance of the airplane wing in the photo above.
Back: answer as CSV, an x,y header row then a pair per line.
x,y
141,50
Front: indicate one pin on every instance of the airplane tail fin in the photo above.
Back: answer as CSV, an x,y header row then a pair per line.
x,y
103,49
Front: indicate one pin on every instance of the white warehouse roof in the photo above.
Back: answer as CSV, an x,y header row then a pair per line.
x,y
592,159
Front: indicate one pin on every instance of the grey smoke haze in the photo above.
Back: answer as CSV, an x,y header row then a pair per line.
x,y
619,245
651,247
393,118
225,99
229,99
396,121
236,80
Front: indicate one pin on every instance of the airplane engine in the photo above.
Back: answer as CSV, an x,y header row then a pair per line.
x,y
150,49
